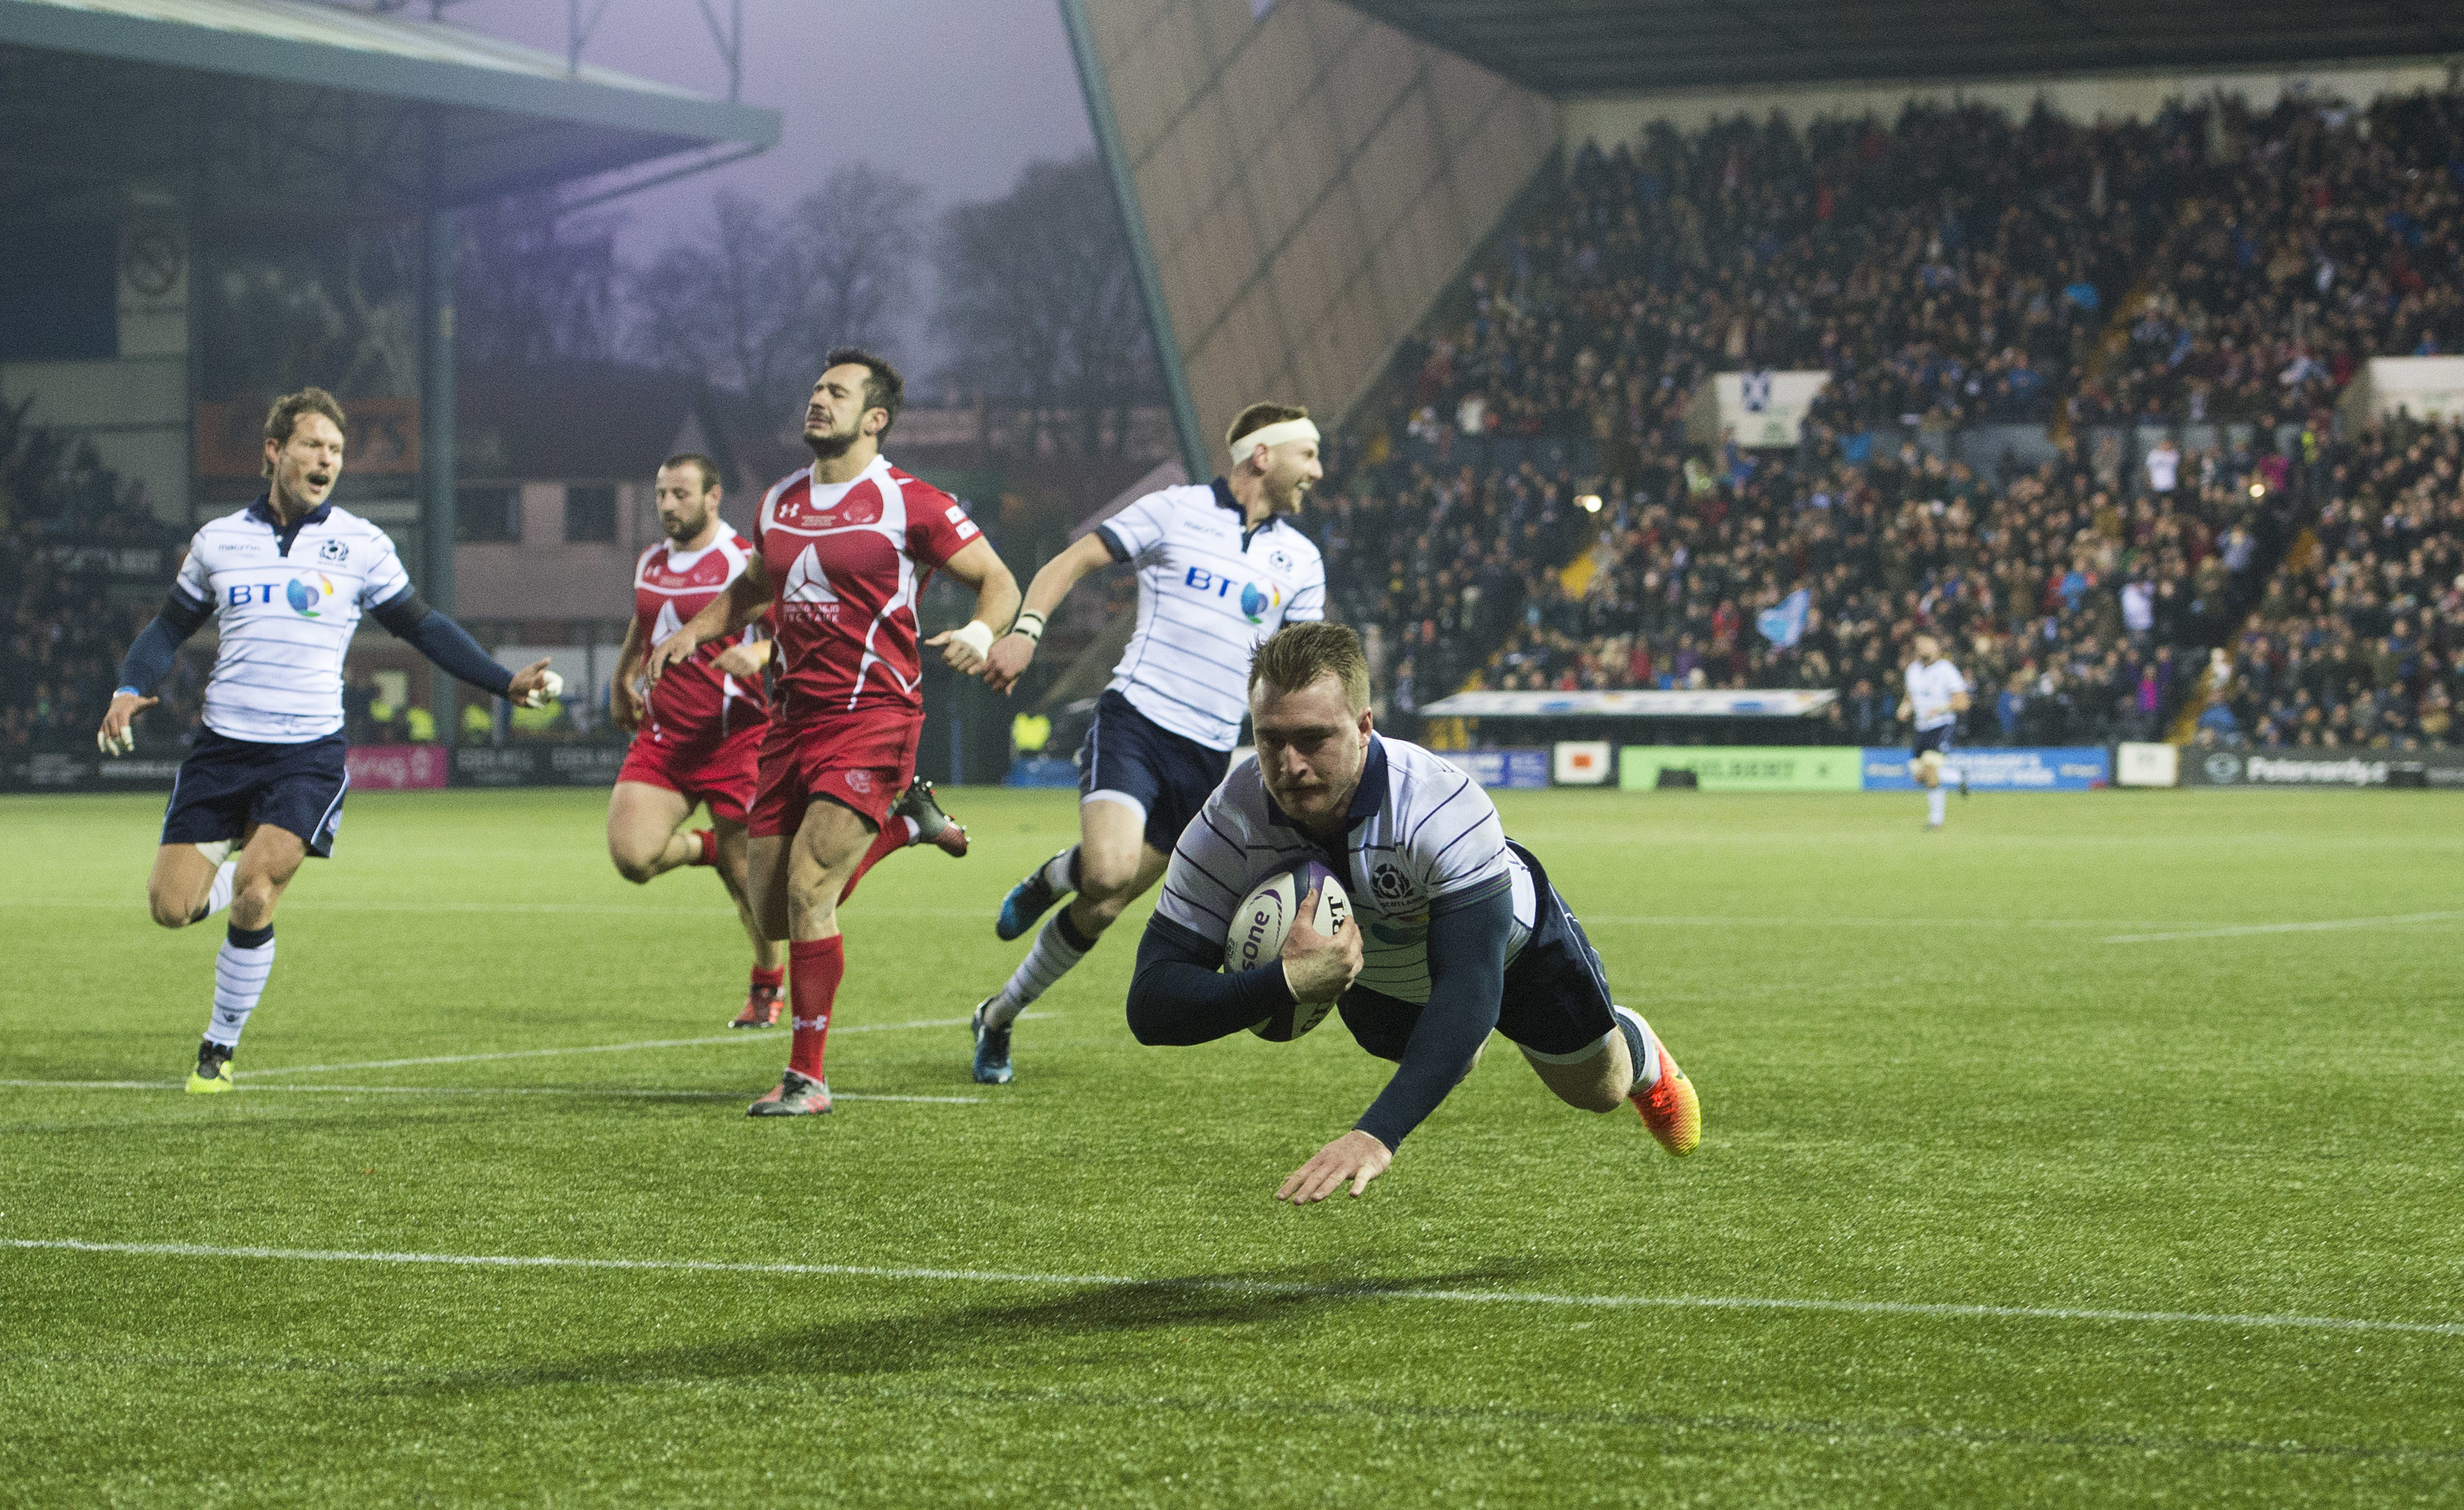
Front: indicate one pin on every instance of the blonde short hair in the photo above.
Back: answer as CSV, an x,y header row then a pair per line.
x,y
1297,654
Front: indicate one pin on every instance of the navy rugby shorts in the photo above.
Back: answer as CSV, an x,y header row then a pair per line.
x,y
1168,774
1935,742
226,784
1556,999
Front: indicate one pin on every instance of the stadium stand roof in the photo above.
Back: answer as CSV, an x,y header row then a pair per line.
x,y
1588,47
237,102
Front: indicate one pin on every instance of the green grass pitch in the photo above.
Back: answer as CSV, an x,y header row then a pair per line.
x,y
2118,1185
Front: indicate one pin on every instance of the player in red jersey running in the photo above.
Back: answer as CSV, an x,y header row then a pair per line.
x,y
697,737
841,550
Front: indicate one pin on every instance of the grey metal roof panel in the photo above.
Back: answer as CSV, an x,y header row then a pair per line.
x,y
316,46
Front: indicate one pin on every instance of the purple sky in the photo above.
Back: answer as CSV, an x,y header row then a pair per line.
x,y
958,95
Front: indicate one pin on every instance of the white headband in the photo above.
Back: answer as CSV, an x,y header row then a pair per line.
x,y
1274,434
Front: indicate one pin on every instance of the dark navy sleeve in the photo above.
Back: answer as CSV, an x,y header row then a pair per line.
x,y
1466,987
443,641
1113,543
157,644
1178,993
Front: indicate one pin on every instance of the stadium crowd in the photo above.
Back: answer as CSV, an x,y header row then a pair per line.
x,y
2327,236
2356,641
65,524
1950,271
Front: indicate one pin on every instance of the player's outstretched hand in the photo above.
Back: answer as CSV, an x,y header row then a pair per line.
x,y
118,735
1011,656
675,648
535,686
966,650
1355,1156
744,658
1319,966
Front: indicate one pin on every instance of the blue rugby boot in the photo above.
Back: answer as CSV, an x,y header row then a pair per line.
x,y
1032,898
992,1049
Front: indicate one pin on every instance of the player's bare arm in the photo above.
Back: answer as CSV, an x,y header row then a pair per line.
x,y
967,648
624,703
746,599
1014,651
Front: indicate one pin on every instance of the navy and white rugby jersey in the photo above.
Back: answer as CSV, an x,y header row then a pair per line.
x,y
1209,589
1932,685
286,607
1424,841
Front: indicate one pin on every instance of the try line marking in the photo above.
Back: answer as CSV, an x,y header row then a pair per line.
x,y
1366,1290
473,1090
606,1048
2247,930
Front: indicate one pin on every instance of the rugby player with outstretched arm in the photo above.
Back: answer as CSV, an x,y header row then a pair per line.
x,y
1219,568
844,548
288,578
1455,929
697,735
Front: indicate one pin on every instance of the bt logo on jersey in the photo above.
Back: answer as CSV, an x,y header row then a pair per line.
x,y
303,597
1255,601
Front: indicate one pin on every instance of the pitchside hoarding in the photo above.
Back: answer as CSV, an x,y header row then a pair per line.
x,y
2328,769
1522,769
1744,768
2071,768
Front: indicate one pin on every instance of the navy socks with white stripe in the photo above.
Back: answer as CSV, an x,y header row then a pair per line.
x,y
1057,947
240,969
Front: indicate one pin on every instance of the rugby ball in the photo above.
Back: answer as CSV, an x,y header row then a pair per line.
x,y
1266,918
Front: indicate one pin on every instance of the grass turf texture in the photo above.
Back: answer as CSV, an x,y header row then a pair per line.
x,y
1928,1076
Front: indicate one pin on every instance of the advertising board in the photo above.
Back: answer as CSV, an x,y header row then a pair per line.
x,y
2324,768
1744,768
1582,763
1522,769
2146,765
537,764
2069,768
398,768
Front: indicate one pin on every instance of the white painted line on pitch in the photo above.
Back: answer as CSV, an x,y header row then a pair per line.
x,y
2248,930
473,1090
740,1036
1366,1290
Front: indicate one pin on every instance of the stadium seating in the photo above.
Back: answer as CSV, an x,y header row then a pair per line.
x,y
1956,270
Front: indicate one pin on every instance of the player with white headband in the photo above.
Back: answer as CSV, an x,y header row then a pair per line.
x,y
1220,568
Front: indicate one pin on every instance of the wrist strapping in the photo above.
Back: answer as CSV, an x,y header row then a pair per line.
x,y
1029,624
976,635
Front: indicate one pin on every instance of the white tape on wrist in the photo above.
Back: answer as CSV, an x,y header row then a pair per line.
x,y
977,636
1029,624
545,692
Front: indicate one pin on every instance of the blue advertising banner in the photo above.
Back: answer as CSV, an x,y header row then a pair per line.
x,y
2069,768
1520,769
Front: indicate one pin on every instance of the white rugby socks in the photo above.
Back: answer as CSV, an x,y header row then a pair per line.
x,y
1057,947
219,895
1060,871
240,969
1935,800
1641,1047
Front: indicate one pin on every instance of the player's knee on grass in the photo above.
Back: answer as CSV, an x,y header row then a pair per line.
x,y
174,907
1599,1081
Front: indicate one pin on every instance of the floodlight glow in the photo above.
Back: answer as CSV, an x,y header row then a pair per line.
x,y
1590,503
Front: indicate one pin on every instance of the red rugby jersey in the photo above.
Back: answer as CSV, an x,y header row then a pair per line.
x,y
696,700
846,562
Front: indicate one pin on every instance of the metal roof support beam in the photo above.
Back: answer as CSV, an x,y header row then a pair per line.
x,y
1195,453
438,526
